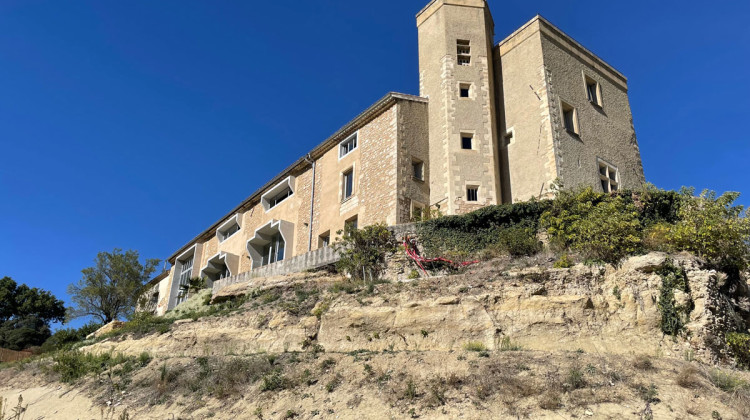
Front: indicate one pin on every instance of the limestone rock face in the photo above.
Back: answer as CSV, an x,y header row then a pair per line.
x,y
114,325
595,309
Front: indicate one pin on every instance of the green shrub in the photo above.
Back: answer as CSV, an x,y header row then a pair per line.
x,y
601,227
475,346
563,262
463,236
507,345
519,240
73,365
363,251
64,339
713,228
739,343
274,381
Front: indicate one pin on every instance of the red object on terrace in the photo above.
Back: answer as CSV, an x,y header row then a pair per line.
x,y
411,250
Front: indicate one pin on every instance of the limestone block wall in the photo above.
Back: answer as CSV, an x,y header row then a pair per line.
x,y
606,132
529,154
453,168
413,146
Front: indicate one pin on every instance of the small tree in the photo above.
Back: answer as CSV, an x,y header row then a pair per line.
x,y
713,228
25,314
362,251
110,290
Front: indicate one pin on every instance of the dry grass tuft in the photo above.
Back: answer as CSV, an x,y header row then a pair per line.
x,y
689,377
643,362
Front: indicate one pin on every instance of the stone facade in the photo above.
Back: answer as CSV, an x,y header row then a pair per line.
x,y
494,124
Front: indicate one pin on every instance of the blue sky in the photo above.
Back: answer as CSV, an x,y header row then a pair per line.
x,y
138,124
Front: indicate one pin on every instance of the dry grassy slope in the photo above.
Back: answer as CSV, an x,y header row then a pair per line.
x,y
400,351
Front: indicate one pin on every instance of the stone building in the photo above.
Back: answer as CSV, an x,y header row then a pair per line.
x,y
493,123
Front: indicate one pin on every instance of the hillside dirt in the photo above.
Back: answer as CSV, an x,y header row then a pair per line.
x,y
504,339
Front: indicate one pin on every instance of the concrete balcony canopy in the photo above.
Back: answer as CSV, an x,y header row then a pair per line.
x,y
216,265
263,237
284,188
229,228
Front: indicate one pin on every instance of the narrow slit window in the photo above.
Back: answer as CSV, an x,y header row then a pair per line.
x,y
570,118
472,193
348,184
593,91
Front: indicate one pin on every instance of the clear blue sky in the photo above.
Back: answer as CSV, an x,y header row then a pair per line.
x,y
137,124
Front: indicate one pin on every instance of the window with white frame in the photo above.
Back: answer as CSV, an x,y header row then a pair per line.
x,y
276,195
570,118
228,229
348,145
608,176
324,240
463,52
593,91
273,251
347,184
472,193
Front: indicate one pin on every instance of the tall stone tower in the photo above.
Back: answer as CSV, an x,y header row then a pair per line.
x,y
456,74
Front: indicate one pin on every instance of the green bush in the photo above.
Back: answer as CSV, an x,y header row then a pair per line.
x,y
739,343
600,226
563,262
519,240
73,365
466,235
64,339
362,251
713,228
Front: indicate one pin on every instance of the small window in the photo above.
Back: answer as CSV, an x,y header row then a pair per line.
x,y
467,141
324,240
228,232
570,118
346,146
418,170
348,184
464,89
463,52
350,225
418,212
608,176
472,193
593,91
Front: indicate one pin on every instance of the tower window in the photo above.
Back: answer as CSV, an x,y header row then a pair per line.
x,y
464,89
472,193
608,176
466,141
418,169
463,52
570,118
593,91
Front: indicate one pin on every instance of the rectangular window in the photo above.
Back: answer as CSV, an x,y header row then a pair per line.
x,y
608,176
463,52
593,91
350,224
280,197
464,89
418,170
348,184
570,118
324,240
466,141
186,271
346,146
472,193
418,212
228,232
274,250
